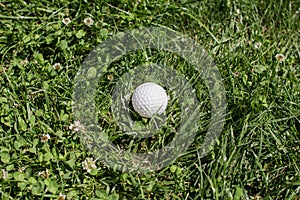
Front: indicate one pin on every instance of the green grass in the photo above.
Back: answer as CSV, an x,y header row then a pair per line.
x,y
258,153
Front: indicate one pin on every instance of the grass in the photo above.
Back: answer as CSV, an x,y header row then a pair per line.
x,y
257,155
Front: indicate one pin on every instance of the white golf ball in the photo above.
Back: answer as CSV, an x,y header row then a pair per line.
x,y
149,99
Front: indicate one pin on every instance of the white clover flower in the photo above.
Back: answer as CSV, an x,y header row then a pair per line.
x,y
45,138
61,197
57,66
77,126
280,57
4,174
21,169
66,21
88,164
257,45
110,77
44,174
88,21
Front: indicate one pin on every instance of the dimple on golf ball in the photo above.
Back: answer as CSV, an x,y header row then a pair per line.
x,y
149,99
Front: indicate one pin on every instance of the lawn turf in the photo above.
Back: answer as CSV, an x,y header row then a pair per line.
x,y
257,155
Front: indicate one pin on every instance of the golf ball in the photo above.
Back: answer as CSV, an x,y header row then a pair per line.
x,y
149,99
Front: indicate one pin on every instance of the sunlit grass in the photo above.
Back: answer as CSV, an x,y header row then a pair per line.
x,y
255,45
